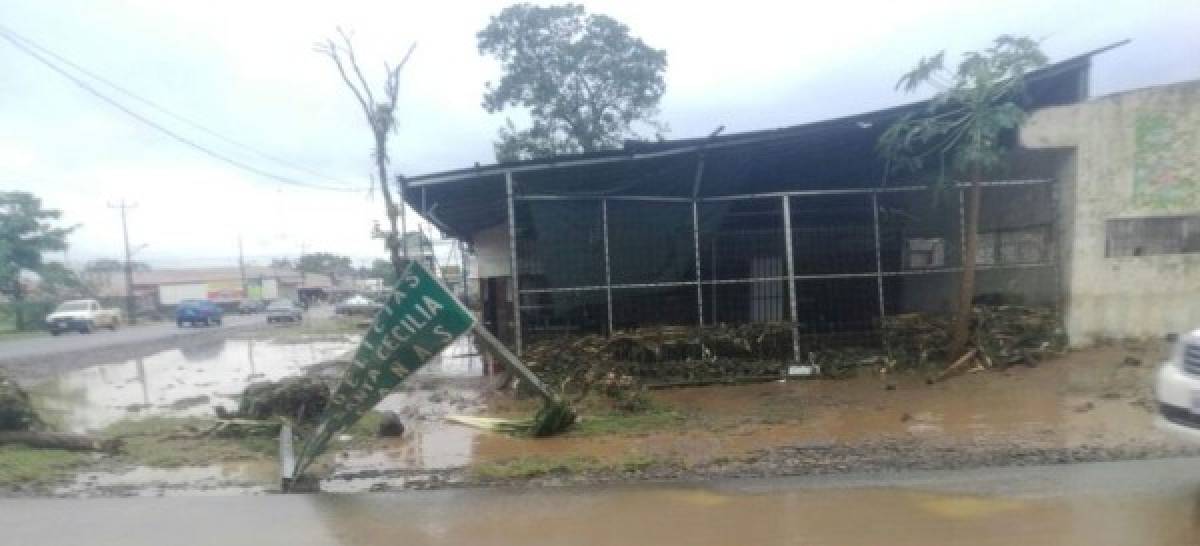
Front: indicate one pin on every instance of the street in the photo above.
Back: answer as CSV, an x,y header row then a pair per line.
x,y
1138,502
47,346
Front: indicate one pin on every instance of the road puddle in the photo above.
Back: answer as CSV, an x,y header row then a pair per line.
x,y
178,382
220,479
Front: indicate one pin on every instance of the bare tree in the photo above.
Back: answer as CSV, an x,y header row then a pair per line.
x,y
381,118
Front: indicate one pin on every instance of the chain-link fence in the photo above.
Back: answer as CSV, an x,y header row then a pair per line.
x,y
851,257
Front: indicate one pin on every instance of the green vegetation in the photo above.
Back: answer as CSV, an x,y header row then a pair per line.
x,y
536,466
173,442
27,232
583,79
25,464
966,131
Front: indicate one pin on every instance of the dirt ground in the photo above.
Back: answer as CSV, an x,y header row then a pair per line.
x,y
1093,404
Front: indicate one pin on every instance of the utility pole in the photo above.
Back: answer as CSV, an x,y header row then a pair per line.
x,y
130,307
242,270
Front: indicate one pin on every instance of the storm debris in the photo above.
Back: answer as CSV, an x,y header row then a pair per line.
x,y
16,411
299,398
1002,335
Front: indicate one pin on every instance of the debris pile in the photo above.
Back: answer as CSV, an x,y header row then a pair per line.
x,y
299,398
1002,334
16,411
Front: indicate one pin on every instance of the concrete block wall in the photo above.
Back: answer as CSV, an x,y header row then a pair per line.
x,y
1136,154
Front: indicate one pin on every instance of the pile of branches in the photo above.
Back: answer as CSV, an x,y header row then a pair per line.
x,y
16,410
300,398
662,355
1001,334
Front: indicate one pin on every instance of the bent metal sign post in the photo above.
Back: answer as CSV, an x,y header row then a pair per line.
x,y
420,319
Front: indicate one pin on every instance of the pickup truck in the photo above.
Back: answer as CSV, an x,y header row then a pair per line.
x,y
82,316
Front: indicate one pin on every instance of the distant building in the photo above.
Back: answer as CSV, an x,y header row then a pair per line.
x,y
167,287
420,248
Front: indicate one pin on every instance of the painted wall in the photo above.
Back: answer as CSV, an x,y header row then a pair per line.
x,y
1137,154
172,294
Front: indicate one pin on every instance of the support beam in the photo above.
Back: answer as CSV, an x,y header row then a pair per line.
x,y
878,260
607,265
962,229
696,252
791,276
512,263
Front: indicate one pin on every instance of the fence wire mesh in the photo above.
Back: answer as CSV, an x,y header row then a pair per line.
x,y
596,265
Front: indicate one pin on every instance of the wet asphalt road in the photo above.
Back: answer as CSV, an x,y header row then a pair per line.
x,y
1123,503
15,351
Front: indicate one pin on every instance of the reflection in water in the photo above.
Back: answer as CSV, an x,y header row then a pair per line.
x,y
95,397
203,350
793,515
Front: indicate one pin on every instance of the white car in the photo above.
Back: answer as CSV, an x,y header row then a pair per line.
x,y
82,316
1177,389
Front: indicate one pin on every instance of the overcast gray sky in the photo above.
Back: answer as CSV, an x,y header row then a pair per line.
x,y
247,70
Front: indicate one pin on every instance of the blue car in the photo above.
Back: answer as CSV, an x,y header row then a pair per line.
x,y
196,312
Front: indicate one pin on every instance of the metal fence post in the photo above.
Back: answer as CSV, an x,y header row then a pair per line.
x,y
878,260
962,230
696,249
512,262
607,265
791,275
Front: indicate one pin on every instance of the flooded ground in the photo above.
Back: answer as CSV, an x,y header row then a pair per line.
x,y
177,382
1150,503
1094,404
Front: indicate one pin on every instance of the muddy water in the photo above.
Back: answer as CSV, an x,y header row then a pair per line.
x,y
1152,503
176,382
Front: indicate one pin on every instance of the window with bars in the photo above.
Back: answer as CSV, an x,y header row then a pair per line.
x,y
1149,236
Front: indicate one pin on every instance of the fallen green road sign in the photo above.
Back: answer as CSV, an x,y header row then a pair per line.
x,y
420,319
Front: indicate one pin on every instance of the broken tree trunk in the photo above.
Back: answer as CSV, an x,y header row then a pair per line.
x,y
57,440
962,361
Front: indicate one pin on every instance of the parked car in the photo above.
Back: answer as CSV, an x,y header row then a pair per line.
x,y
357,305
194,312
82,316
249,307
284,310
1177,388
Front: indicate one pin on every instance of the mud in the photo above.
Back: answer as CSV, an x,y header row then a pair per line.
x,y
1091,405
1023,416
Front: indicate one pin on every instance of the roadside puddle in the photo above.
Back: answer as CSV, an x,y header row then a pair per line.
x,y
177,382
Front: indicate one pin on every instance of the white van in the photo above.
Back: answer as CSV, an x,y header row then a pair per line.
x,y
1177,388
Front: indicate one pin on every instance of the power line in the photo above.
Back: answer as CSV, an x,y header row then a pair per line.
x,y
161,108
180,138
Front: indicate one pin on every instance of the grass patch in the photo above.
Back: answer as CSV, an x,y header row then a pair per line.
x,y
537,466
173,442
534,466
653,419
26,464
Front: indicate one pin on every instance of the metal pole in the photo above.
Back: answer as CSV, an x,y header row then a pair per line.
x,y
791,275
512,262
962,230
696,251
466,280
130,298
607,266
242,270
878,261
